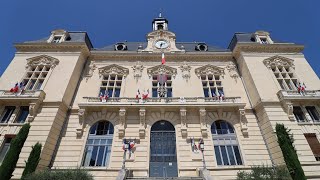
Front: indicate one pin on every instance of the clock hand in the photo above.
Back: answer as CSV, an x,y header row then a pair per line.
x,y
161,44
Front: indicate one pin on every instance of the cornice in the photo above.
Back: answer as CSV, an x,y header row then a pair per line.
x,y
266,48
134,56
52,47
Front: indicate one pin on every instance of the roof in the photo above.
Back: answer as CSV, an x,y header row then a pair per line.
x,y
188,46
74,36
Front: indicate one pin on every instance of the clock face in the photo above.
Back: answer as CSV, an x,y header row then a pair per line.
x,y
162,44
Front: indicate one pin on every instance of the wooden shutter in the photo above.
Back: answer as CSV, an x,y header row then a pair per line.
x,y
313,143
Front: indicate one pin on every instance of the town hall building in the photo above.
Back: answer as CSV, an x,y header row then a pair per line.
x,y
160,107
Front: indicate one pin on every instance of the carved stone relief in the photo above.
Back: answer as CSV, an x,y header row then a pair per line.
x,y
278,61
203,121
91,69
42,60
122,121
114,69
232,68
243,122
185,70
81,115
183,116
162,69
209,70
142,114
137,70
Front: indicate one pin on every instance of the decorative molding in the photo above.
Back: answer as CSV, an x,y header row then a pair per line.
x,y
142,114
209,70
42,60
288,108
278,61
122,121
183,116
81,115
185,69
162,69
232,68
91,69
137,70
203,123
114,69
243,122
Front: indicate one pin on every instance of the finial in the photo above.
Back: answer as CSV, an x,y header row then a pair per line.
x,y
160,13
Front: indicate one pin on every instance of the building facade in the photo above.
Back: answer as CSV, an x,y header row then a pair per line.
x,y
160,108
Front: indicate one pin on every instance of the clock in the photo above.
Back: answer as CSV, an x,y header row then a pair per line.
x,y
161,44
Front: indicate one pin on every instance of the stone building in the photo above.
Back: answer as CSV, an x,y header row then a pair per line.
x,y
201,106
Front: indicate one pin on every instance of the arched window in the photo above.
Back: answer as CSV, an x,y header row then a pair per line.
x,y
225,143
99,143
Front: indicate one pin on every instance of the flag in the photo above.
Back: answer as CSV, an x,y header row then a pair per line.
x,y
221,94
131,145
145,94
21,86
101,96
106,94
15,88
138,94
163,60
213,94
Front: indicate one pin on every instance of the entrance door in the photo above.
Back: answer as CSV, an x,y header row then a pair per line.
x,y
163,156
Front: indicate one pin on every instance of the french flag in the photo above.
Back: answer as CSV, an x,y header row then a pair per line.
x,y
163,60
221,94
138,94
106,94
15,88
101,96
145,94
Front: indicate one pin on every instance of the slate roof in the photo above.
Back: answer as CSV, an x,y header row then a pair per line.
x,y
188,46
74,36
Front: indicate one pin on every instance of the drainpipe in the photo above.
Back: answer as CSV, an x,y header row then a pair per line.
x,y
66,119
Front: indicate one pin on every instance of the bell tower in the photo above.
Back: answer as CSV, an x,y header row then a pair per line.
x,y
160,23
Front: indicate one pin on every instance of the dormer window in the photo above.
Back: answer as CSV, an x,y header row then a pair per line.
x,y
58,36
263,37
160,26
56,39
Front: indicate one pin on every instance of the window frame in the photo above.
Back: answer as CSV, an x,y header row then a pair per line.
x,y
4,112
3,145
209,84
109,87
156,85
19,114
34,75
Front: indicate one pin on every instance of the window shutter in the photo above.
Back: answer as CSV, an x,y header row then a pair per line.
x,y
313,143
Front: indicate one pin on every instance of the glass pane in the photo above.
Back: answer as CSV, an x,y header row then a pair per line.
x,y
87,156
169,92
4,151
218,155
24,111
93,129
8,110
154,92
32,82
231,156
313,113
298,113
110,91
206,92
117,92
238,156
224,155
100,156
94,156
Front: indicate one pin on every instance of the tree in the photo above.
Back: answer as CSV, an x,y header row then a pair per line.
x,y
9,163
33,160
61,174
290,156
265,173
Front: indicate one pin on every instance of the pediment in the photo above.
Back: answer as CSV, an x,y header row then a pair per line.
x,y
161,34
278,61
114,69
209,70
162,69
42,60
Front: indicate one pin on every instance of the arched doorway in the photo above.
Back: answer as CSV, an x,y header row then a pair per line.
x,y
163,154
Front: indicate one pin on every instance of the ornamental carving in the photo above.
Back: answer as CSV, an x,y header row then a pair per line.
x,y
114,69
122,121
91,69
243,122
137,70
42,60
203,123
278,61
81,115
232,68
162,69
185,69
142,114
183,116
209,70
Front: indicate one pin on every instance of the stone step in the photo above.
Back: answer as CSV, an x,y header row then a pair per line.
x,y
164,178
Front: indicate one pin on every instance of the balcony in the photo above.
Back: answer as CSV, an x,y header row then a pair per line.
x,y
24,97
311,95
157,102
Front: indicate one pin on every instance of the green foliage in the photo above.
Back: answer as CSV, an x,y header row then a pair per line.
x,y
9,163
265,173
66,174
285,140
33,160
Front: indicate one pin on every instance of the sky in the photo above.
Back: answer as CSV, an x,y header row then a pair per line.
x,y
211,21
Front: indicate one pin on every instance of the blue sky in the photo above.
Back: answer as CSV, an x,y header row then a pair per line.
x,y
213,21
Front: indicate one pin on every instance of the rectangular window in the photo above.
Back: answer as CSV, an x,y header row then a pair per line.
x,y
35,77
166,82
4,149
23,114
298,113
56,39
314,114
314,145
112,83
264,40
285,76
8,110
212,86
